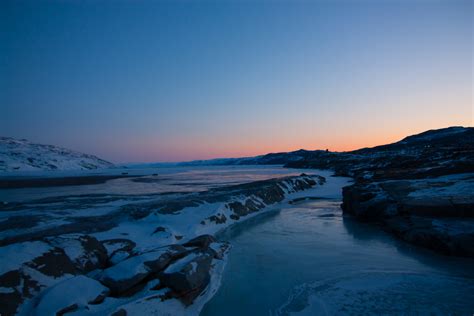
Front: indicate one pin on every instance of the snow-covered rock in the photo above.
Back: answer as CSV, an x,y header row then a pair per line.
x,y
436,213
22,155
189,276
126,274
71,295
85,251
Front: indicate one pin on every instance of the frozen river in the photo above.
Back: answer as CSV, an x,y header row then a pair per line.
x,y
308,259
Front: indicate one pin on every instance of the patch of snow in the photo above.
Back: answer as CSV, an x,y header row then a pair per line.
x,y
13,256
181,263
126,269
79,290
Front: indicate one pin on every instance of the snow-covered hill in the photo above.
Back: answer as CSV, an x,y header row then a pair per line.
x,y
22,155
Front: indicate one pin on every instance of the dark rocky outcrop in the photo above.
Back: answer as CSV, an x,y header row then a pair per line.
x,y
218,218
184,269
118,249
172,253
128,273
189,276
58,257
21,286
86,252
436,213
202,241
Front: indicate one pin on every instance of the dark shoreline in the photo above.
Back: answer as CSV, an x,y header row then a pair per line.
x,y
21,183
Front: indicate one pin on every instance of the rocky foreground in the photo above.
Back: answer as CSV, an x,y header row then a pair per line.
x,y
125,255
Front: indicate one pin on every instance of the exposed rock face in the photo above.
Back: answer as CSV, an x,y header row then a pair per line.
x,y
269,192
202,241
118,249
172,253
128,273
46,263
189,276
183,269
86,252
17,286
437,213
62,287
449,236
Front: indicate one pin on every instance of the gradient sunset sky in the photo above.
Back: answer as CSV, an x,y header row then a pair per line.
x,y
171,81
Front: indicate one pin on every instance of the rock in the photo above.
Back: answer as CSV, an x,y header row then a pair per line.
x,y
124,275
448,236
218,250
68,309
70,295
436,213
20,286
85,251
238,208
120,312
218,218
159,229
26,269
130,272
54,263
189,276
118,249
202,241
249,206
171,253
367,202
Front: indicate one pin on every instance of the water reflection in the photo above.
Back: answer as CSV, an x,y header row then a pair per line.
x,y
308,259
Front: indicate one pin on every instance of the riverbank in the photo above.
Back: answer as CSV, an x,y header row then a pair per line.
x,y
128,257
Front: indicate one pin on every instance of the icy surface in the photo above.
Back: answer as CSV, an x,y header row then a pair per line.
x,y
146,181
307,259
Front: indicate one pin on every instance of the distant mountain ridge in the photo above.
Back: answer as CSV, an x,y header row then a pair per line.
x,y
456,136
22,155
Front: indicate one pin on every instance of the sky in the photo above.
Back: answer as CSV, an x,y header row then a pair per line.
x,y
143,81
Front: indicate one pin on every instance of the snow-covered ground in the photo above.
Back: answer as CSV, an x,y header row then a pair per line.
x,y
22,155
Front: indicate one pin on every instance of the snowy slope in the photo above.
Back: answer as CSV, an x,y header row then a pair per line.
x,y
22,155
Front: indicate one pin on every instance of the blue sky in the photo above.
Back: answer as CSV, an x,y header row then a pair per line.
x,y
180,80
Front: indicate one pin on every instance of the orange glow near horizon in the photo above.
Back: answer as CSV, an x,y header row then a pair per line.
x,y
188,149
